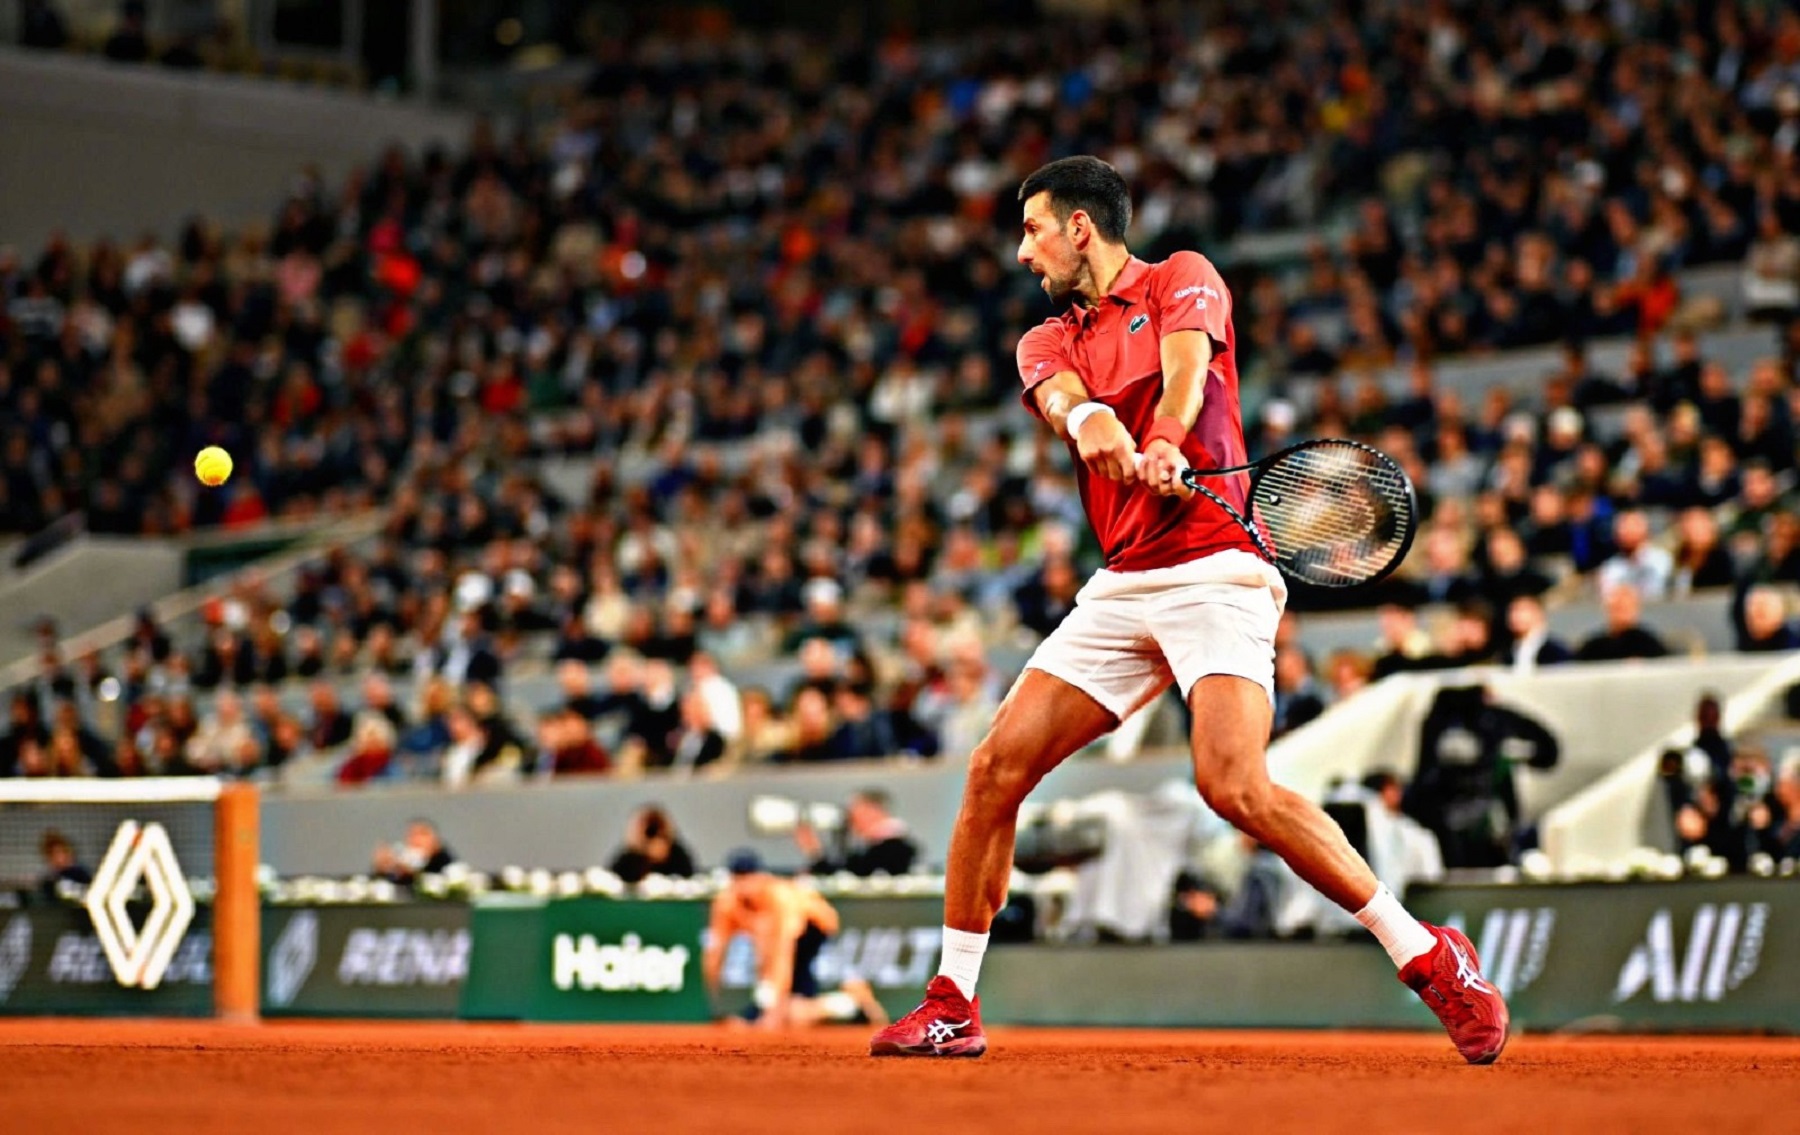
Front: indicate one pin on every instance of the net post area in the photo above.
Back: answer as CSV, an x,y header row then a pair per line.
x,y
237,917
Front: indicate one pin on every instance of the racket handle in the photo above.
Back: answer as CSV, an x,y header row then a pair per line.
x,y
1187,475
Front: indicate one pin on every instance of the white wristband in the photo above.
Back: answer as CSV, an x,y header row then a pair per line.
x,y
1083,412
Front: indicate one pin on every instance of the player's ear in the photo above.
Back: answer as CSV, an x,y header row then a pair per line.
x,y
1079,228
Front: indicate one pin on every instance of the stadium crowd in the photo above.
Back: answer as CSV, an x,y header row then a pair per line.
x,y
762,285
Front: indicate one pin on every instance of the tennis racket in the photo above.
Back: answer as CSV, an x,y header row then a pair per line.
x,y
1332,513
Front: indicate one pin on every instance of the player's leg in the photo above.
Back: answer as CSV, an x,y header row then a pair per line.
x,y
1042,721
1231,720
1219,640
1231,724
1091,673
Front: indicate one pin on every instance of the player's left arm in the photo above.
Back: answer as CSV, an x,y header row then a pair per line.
x,y
1193,315
1186,356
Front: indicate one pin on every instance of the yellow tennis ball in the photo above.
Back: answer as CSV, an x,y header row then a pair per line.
x,y
212,466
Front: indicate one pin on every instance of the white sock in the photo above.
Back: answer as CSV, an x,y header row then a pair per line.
x,y
961,963
1400,934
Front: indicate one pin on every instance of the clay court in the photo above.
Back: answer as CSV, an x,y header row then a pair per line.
x,y
145,1077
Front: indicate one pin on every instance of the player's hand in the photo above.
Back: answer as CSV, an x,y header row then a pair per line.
x,y
1162,468
1107,448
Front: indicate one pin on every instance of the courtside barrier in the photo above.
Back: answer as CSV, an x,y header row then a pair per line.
x,y
365,960
599,959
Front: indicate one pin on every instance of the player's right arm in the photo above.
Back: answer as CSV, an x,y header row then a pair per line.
x,y
1057,393
719,932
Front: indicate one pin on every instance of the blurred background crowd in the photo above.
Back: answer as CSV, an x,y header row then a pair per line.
x,y
757,290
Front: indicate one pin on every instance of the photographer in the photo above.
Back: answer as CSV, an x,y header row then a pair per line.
x,y
878,842
652,848
1463,790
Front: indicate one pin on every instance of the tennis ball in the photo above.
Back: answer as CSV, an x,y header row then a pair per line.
x,y
212,466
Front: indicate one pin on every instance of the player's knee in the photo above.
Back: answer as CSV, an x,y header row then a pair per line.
x,y
997,779
1240,803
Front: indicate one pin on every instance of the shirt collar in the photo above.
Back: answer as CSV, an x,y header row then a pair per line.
x,y
1128,289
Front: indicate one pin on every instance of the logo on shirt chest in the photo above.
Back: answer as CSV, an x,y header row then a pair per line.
x,y
1138,323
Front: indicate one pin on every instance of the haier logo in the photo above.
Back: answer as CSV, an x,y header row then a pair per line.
x,y
1513,945
627,967
1724,947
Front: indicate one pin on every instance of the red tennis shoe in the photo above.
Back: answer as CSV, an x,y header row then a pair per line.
x,y
945,1024
1449,981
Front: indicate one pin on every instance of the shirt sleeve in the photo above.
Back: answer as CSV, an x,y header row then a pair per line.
x,y
1041,355
1190,295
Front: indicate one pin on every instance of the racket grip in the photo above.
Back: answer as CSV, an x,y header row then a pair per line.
x,y
1186,474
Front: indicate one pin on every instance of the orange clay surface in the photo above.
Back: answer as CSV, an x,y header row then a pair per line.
x,y
141,1077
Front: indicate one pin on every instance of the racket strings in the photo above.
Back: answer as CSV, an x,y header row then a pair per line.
x,y
1334,515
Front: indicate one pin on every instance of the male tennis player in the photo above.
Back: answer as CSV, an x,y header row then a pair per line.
x,y
1143,362
788,924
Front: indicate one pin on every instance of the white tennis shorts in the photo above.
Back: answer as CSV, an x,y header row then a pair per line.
x,y
1131,633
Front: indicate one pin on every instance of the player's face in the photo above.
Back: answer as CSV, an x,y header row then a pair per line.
x,y
1047,248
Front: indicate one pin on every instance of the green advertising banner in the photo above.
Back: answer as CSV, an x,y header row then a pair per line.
x,y
586,959
52,964
1680,955
639,959
405,960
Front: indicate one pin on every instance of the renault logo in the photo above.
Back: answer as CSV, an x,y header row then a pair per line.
x,y
139,956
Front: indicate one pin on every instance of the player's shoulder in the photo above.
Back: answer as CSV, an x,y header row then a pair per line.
x,y
1184,265
1050,334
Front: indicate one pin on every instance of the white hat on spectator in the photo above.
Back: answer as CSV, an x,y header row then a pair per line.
x,y
473,590
822,592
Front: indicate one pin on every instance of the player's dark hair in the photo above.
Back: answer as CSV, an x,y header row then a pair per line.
x,y
1086,183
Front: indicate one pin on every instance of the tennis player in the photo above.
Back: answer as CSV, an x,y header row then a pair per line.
x,y
1143,362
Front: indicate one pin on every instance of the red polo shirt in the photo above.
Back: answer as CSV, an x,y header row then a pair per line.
x,y
1116,349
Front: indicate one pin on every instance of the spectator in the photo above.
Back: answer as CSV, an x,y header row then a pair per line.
x,y
724,706
1762,622
1418,855
652,847
1532,643
479,752
696,742
421,852
330,725
61,868
824,620
26,728
432,733
1638,563
873,840
1700,559
1194,912
567,747
41,25
1403,642
811,725
1046,598
225,741
575,682
1624,637
129,43
378,700
863,730
372,743
765,734
1298,695
1776,826
1772,271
